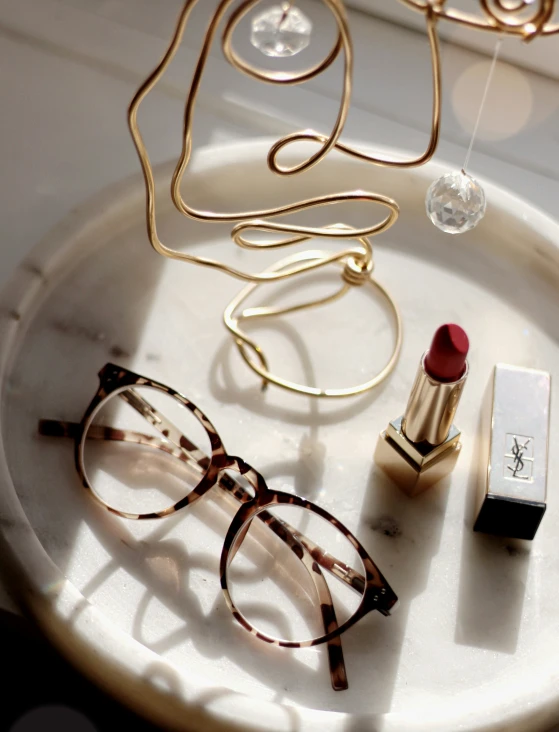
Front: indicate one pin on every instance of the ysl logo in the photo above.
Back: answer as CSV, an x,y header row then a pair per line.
x,y
520,457
518,452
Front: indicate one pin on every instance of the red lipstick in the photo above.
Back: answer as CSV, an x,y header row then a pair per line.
x,y
422,445
446,358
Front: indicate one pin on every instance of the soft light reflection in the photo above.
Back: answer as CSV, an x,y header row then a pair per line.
x,y
53,588
509,103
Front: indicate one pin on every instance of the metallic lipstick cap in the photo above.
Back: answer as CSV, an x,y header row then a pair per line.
x,y
511,498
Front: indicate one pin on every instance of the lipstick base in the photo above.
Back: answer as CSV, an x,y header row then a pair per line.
x,y
415,467
509,517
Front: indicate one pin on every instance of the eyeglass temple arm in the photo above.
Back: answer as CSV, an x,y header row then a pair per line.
x,y
199,461
53,428
57,428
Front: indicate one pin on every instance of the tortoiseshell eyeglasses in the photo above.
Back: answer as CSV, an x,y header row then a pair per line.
x,y
133,455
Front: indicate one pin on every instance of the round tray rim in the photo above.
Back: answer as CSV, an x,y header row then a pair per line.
x,y
50,602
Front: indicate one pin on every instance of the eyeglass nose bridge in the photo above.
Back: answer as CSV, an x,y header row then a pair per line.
x,y
262,494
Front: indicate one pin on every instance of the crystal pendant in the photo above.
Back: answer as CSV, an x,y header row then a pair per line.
x,y
455,203
281,31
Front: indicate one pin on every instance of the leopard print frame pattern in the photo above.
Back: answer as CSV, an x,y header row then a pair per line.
x,y
376,594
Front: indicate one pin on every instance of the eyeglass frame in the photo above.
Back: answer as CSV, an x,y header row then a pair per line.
x,y
377,594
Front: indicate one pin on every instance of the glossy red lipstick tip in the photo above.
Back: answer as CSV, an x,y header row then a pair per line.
x,y
446,358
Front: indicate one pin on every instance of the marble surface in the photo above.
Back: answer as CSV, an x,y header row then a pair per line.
x,y
142,603
79,61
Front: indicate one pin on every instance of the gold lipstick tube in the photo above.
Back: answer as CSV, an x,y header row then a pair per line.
x,y
431,407
422,446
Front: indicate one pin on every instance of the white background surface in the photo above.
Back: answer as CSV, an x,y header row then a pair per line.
x,y
541,57
477,614
68,69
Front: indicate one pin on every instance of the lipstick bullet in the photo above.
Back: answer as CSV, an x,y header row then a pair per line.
x,y
420,447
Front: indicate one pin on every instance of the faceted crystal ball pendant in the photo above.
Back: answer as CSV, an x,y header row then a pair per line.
x,y
281,31
455,203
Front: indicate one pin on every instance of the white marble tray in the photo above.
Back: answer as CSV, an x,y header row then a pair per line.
x,y
475,642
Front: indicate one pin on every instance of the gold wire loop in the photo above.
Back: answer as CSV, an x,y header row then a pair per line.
x,y
245,344
329,143
270,77
343,42
355,260
526,19
513,14
260,220
356,273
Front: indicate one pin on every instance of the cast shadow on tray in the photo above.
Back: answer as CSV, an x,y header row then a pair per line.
x,y
58,508
71,335
493,573
513,265
186,582
406,533
169,684
226,388
62,513
167,568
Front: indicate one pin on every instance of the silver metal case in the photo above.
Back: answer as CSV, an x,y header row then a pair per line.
x,y
512,496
